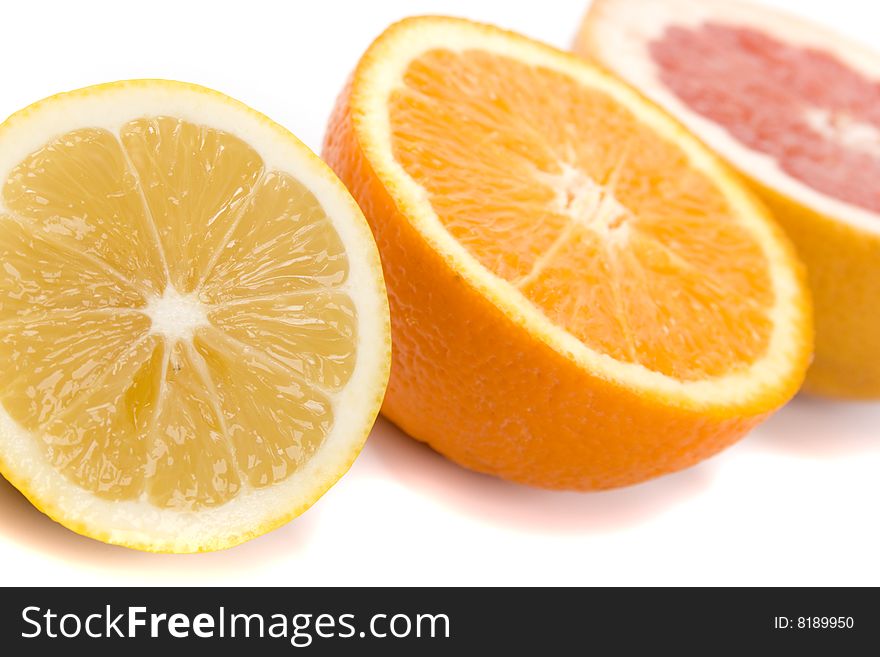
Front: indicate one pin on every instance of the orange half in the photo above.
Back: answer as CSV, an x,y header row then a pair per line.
x,y
582,295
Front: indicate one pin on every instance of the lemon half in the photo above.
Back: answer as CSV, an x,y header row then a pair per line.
x,y
194,332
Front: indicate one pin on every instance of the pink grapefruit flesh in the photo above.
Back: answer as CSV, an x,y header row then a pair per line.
x,y
802,106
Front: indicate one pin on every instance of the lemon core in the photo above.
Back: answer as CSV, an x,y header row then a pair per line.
x,y
175,315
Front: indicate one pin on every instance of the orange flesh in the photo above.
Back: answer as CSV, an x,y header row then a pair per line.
x,y
599,222
809,111
96,228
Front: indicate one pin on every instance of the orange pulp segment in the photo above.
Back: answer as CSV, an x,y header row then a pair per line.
x,y
598,220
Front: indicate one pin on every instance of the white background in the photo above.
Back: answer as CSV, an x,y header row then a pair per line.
x,y
797,502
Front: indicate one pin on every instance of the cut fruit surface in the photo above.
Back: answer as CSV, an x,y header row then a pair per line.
x,y
794,108
193,323
582,297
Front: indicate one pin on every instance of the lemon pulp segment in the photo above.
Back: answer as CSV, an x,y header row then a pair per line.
x,y
174,322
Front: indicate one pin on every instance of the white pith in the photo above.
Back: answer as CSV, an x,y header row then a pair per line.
x,y
175,316
620,31
382,71
588,203
253,511
843,129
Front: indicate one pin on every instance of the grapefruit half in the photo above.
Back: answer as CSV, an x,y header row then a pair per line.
x,y
795,109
